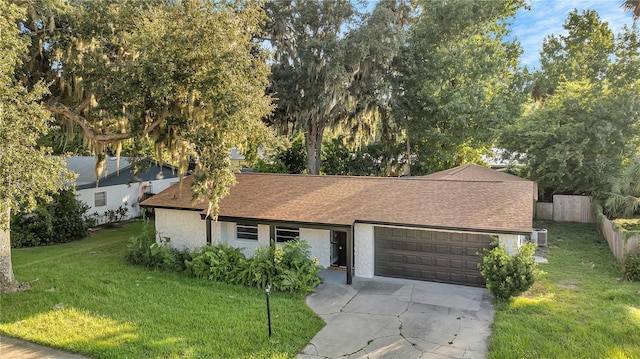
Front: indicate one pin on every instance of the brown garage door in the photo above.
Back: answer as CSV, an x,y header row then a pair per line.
x,y
429,255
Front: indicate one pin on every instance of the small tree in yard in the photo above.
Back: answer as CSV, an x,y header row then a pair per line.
x,y
508,276
26,172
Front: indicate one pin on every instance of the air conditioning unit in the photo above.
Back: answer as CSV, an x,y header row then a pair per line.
x,y
539,237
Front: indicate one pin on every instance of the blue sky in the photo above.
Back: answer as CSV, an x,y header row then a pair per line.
x,y
546,17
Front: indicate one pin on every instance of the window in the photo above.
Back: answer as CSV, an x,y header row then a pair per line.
x,y
100,199
247,231
284,234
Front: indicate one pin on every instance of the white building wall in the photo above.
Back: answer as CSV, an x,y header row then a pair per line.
x,y
320,242
184,228
124,195
511,242
363,249
216,233
247,246
264,235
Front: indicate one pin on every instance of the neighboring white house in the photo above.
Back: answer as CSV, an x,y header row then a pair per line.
x,y
427,228
118,191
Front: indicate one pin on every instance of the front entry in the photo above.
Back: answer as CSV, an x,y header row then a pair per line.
x,y
338,249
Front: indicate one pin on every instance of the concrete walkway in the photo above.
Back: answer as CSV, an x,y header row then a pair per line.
x,y
395,318
11,348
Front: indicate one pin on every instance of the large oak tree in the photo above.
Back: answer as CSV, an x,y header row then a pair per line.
x,y
329,64
186,74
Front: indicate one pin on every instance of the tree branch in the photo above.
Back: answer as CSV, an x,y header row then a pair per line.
x,y
88,130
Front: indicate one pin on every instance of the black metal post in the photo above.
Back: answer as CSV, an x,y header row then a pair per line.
x,y
267,289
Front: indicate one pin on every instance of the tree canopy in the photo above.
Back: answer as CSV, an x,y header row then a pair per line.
x,y
584,125
458,81
329,64
186,74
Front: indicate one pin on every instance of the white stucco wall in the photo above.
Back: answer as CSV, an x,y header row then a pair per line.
x,y
128,195
511,242
363,250
185,228
320,242
247,246
264,234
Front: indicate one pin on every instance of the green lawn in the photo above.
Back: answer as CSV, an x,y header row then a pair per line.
x,y
579,308
86,298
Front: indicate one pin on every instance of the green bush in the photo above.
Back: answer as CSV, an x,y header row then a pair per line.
x,y
296,271
631,266
259,269
220,263
288,267
506,275
146,251
59,221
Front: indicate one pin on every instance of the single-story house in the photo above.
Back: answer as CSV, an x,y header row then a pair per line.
x,y
427,228
118,187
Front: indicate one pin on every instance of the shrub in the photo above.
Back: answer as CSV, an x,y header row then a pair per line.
x,y
220,263
59,221
145,250
288,267
631,266
259,269
296,271
506,275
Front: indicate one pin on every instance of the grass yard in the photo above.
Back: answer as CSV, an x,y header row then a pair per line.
x,y
578,308
85,298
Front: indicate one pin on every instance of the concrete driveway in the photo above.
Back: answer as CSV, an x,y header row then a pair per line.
x,y
397,318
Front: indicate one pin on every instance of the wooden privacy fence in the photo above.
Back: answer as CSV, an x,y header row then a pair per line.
x,y
617,242
566,208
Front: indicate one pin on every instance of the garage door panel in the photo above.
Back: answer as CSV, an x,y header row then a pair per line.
x,y
429,255
457,263
457,250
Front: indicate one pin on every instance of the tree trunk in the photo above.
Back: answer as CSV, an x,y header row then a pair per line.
x,y
8,283
314,146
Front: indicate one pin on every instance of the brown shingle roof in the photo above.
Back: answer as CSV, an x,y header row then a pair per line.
x,y
341,200
474,173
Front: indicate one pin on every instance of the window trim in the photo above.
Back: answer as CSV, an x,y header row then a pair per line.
x,y
103,200
282,239
246,234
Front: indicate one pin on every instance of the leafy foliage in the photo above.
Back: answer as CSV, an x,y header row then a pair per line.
x,y
583,125
288,267
27,171
219,263
61,220
459,81
631,266
288,160
188,76
506,275
146,251
330,63
624,199
578,139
